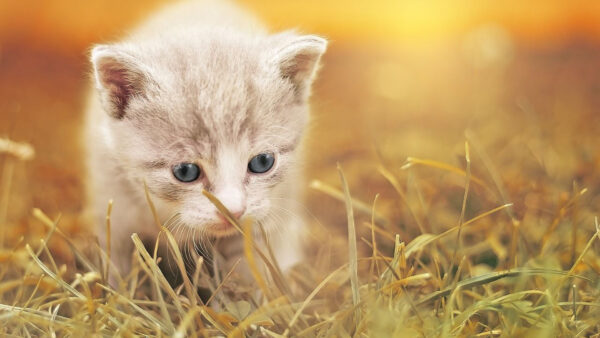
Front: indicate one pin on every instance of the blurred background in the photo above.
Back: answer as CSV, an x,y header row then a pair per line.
x,y
401,78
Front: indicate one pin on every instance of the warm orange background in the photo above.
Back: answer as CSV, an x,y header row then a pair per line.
x,y
68,24
401,78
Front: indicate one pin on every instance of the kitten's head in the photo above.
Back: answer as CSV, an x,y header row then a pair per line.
x,y
217,112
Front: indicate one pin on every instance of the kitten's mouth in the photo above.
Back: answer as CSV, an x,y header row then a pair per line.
x,y
221,229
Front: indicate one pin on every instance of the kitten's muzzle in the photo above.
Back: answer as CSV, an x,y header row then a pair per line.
x,y
237,214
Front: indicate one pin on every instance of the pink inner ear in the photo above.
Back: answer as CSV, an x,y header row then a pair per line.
x,y
299,67
119,90
300,60
118,83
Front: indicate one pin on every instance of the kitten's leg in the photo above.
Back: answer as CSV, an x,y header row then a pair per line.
x,y
125,221
287,245
121,246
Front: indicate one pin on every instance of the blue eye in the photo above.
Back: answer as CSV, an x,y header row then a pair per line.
x,y
261,163
186,172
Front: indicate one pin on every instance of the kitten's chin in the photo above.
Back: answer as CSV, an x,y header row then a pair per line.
x,y
220,230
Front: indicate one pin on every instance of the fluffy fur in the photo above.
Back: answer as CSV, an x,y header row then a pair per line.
x,y
200,82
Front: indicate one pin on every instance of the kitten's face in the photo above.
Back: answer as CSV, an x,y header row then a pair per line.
x,y
227,119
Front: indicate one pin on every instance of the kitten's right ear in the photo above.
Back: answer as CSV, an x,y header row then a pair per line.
x,y
117,77
298,60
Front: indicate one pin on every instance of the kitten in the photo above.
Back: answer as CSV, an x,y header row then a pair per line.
x,y
200,97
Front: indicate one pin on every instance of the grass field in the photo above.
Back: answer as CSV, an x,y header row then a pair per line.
x,y
464,203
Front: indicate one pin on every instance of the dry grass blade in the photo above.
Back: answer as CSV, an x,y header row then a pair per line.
x,y
223,210
175,251
90,304
256,315
276,272
22,151
248,240
489,165
560,215
380,231
152,207
157,276
150,267
464,202
394,182
108,239
186,322
339,195
373,264
41,317
50,273
415,279
249,253
492,277
163,326
6,182
210,316
412,161
41,216
225,279
426,239
353,255
595,236
311,296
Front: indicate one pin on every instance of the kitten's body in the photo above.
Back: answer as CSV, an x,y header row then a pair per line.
x,y
202,83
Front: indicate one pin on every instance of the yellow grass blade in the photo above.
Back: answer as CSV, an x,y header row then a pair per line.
x,y
494,276
396,185
174,249
311,296
249,252
339,195
412,161
157,276
52,226
152,207
587,247
250,241
426,239
50,273
257,315
141,311
373,264
353,255
464,202
225,279
20,150
108,239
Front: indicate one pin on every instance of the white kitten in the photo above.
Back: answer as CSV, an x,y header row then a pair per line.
x,y
199,97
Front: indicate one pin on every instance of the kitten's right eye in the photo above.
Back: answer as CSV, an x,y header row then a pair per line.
x,y
186,172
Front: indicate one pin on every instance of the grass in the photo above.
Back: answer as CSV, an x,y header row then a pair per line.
x,y
446,253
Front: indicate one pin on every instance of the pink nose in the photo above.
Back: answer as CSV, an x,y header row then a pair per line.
x,y
238,213
235,213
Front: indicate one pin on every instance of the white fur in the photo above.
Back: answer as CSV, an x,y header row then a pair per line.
x,y
199,82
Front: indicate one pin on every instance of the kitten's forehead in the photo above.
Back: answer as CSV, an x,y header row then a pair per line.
x,y
219,92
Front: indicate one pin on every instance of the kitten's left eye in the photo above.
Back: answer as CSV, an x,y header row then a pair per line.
x,y
186,172
261,163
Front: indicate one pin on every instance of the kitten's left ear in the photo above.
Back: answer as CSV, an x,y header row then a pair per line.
x,y
298,61
119,76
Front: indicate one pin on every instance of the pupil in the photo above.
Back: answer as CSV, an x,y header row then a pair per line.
x,y
186,172
261,163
